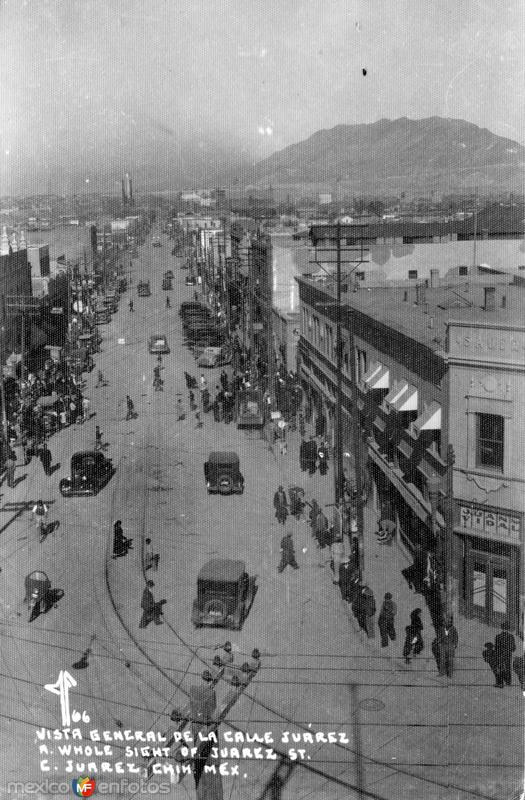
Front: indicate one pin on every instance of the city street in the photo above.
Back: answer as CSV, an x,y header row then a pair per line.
x,y
401,730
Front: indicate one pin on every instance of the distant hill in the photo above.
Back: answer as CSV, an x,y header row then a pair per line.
x,y
401,155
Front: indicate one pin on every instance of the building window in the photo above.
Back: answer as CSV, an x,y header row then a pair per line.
x,y
489,441
412,274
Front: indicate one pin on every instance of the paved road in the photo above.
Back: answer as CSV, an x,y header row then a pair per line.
x,y
406,733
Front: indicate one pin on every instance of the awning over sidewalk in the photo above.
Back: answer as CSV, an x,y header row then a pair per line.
x,y
377,377
430,419
404,399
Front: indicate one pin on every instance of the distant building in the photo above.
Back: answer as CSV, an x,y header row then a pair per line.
x,y
15,281
38,258
127,190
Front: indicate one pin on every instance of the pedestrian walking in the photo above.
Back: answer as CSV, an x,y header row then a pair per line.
x,y
10,467
346,574
180,411
98,438
44,455
490,656
130,304
280,503
413,639
151,610
130,413
287,553
446,644
85,409
386,620
121,543
151,559
505,645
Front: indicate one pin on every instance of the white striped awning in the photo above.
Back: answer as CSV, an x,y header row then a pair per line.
x,y
430,419
405,398
378,377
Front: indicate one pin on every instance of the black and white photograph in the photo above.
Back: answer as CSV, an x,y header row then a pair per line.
x,y
262,399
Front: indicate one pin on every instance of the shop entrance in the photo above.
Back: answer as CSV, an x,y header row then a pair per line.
x,y
489,584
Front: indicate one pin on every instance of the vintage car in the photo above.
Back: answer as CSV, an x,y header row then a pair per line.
x,y
156,242
90,471
225,593
143,289
189,306
110,300
223,474
167,284
102,315
158,344
251,409
214,357
190,280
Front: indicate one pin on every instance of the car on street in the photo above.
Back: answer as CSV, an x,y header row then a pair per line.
x,y
251,409
169,274
223,474
192,305
214,357
190,280
90,471
225,594
156,242
158,344
102,315
143,289
167,284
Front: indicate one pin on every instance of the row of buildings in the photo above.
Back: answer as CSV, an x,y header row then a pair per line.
x,y
433,332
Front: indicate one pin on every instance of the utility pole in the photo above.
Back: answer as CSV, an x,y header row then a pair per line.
x,y
338,461
2,386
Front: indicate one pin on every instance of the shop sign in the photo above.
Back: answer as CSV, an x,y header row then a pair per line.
x,y
493,524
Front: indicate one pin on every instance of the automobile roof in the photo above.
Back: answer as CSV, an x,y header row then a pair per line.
x,y
222,569
223,457
95,454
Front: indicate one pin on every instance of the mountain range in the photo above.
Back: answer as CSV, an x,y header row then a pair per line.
x,y
394,156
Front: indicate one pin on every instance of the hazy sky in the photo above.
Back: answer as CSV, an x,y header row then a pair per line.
x,y
98,86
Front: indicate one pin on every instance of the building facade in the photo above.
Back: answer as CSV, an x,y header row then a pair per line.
x,y
421,401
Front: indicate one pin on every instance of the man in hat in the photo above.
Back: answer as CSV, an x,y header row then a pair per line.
x,y
151,611
446,644
287,553
385,620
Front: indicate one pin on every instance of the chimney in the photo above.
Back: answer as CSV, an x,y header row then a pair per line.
x,y
434,278
490,298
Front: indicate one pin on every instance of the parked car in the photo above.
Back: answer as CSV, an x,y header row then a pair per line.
x,y
158,344
167,284
102,315
143,289
251,409
225,594
192,305
111,302
223,474
190,280
214,357
90,471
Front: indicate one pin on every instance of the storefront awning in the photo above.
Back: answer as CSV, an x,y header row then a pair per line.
x,y
379,378
405,399
430,419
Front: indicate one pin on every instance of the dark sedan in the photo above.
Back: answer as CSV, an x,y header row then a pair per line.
x,y
90,471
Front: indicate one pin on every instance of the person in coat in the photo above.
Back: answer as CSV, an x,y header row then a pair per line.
x,y
287,553
121,543
151,610
386,620
505,645
44,455
280,503
303,460
346,574
446,644
494,662
322,530
413,638
364,608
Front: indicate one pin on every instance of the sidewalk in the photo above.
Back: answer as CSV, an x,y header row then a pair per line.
x,y
383,573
